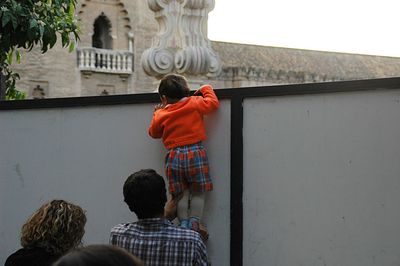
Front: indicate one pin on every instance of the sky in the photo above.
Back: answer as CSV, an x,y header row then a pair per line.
x,y
349,26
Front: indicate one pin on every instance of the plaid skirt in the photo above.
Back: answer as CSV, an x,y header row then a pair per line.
x,y
186,167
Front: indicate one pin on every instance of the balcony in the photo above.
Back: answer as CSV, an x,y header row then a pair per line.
x,y
104,60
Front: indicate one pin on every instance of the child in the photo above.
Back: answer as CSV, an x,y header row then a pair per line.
x,y
178,120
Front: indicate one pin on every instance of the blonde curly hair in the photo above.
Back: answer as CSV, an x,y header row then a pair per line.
x,y
57,226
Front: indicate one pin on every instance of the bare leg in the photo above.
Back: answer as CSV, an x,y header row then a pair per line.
x,y
197,204
183,206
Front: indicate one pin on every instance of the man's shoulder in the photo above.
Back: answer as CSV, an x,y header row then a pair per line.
x,y
183,234
181,230
122,227
168,228
157,228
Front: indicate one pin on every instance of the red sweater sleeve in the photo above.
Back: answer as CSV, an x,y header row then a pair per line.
x,y
209,102
155,129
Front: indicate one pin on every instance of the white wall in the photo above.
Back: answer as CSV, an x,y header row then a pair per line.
x,y
322,179
84,155
321,174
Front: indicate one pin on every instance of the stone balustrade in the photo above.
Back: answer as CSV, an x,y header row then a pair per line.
x,y
104,60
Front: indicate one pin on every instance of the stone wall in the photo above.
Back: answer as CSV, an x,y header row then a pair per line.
x,y
58,75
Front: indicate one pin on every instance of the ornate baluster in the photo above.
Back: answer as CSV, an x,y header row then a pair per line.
x,y
92,59
123,62
118,62
81,63
114,63
108,56
105,60
129,68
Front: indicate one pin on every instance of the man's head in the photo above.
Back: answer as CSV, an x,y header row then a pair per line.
x,y
145,194
173,87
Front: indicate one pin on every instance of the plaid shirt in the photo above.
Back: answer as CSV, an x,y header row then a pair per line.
x,y
157,242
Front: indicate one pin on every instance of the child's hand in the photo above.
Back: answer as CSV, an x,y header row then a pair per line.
x,y
198,93
170,207
159,106
163,103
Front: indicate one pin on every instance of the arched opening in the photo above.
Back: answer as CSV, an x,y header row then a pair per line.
x,y
102,33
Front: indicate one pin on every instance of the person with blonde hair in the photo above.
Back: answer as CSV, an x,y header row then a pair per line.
x,y
99,255
53,230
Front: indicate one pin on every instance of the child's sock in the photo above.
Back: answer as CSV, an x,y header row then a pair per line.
x,y
194,223
185,223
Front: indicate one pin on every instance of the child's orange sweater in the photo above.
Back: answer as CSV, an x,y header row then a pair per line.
x,y
182,123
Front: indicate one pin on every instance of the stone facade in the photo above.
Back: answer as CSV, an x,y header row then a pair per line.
x,y
251,65
112,65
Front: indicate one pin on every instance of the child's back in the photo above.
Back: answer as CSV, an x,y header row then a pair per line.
x,y
181,122
178,120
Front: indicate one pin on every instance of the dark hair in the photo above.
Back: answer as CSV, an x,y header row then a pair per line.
x,y
98,255
174,86
57,227
145,193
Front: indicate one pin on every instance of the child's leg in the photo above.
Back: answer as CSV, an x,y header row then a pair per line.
x,y
182,209
197,204
196,213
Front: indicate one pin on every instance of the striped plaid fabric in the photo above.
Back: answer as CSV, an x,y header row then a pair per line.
x,y
186,167
157,242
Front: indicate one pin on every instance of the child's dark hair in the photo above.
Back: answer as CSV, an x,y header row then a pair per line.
x,y
174,86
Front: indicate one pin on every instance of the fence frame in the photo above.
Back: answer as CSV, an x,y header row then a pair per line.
x,y
237,97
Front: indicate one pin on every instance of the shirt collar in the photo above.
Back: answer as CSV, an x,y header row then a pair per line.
x,y
153,221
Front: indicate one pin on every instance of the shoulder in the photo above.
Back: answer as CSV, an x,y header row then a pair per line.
x,y
184,234
122,228
32,257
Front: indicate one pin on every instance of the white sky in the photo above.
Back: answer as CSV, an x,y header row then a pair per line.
x,y
353,26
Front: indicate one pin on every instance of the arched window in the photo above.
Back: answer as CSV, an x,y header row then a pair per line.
x,y
102,33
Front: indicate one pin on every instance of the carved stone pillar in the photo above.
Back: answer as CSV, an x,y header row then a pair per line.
x,y
130,41
181,44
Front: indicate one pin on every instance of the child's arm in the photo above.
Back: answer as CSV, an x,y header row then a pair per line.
x,y
209,102
155,129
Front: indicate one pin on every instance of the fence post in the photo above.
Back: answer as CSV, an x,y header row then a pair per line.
x,y
236,247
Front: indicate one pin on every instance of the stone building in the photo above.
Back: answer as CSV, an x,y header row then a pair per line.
x,y
119,38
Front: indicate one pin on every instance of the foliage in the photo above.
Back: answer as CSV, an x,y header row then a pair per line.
x,y
27,23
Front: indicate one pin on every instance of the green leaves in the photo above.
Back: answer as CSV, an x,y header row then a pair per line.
x,y
5,18
24,24
8,13
32,23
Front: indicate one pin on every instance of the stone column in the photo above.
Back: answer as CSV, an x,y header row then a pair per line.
x,y
181,45
130,41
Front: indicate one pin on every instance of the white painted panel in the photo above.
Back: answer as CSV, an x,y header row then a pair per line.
x,y
84,155
322,179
